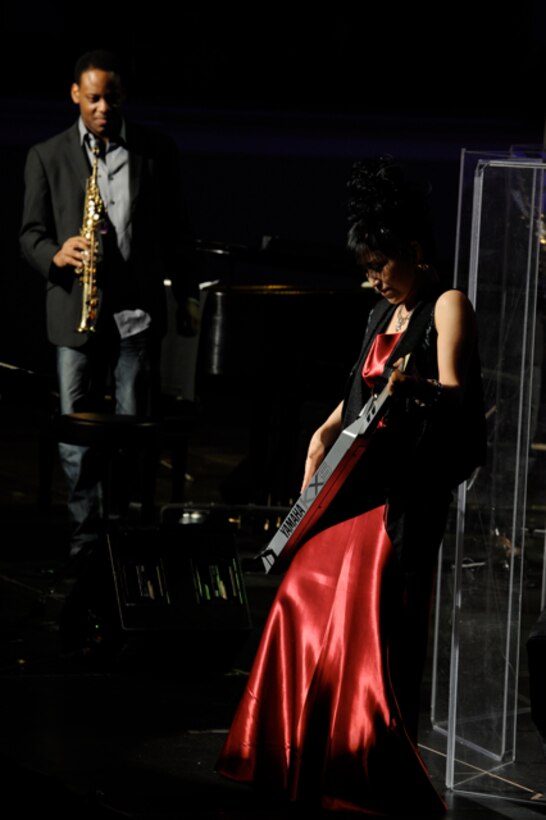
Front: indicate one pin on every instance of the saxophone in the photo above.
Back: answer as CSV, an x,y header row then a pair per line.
x,y
93,213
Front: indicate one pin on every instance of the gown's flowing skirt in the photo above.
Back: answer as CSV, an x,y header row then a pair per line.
x,y
319,720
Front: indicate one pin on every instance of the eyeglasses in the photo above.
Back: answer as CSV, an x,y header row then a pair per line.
x,y
374,271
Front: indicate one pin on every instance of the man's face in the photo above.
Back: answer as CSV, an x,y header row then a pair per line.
x,y
99,95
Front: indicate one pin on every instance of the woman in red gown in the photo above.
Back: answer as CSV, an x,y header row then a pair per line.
x,y
329,714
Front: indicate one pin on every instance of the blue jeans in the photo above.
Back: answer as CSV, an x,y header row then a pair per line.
x,y
82,376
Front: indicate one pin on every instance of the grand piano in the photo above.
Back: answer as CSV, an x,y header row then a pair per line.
x,y
282,324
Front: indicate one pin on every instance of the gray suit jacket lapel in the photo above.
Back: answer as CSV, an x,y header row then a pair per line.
x,y
135,165
76,155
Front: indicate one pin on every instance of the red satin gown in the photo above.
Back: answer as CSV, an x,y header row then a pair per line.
x,y
319,721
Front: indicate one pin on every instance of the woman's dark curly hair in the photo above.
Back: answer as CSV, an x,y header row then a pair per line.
x,y
387,211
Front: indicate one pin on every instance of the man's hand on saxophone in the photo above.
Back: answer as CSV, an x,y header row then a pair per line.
x,y
72,252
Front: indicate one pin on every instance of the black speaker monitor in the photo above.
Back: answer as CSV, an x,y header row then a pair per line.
x,y
178,578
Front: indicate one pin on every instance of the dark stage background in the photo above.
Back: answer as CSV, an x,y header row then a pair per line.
x,y
269,108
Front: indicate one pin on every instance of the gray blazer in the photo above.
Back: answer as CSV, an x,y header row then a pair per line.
x,y
56,173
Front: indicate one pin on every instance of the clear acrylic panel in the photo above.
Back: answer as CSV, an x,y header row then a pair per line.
x,y
478,618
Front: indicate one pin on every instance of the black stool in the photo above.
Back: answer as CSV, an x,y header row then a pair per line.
x,y
109,434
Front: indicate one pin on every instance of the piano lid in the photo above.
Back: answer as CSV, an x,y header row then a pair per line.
x,y
276,261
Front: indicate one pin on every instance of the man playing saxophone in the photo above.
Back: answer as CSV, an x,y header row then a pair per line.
x,y
143,238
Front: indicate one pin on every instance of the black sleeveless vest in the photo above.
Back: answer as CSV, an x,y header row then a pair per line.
x,y
449,442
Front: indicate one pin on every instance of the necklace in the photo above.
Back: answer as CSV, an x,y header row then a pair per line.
x,y
401,320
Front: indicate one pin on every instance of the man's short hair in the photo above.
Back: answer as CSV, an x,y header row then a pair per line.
x,y
99,58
